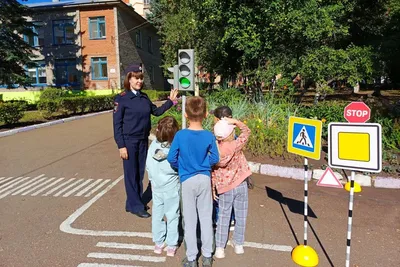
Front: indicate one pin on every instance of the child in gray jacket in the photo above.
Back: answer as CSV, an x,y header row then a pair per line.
x,y
166,188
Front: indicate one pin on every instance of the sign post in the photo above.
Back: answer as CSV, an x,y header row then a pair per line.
x,y
304,139
355,146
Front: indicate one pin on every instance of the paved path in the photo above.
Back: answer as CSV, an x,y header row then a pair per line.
x,y
62,204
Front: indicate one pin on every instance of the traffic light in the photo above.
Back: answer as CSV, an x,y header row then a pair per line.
x,y
186,69
175,81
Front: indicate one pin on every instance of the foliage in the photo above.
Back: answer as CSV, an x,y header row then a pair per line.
x,y
12,112
15,53
52,94
74,105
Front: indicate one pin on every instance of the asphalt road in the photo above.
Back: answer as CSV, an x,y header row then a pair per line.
x,y
62,204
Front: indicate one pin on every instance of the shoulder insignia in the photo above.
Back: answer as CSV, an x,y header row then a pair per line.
x,y
123,93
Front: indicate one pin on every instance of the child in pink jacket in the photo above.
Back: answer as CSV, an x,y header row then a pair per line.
x,y
229,181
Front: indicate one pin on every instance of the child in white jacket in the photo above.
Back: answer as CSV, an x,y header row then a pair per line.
x,y
166,188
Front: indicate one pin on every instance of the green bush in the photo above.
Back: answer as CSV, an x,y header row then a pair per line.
x,y
225,96
52,94
12,112
75,104
48,107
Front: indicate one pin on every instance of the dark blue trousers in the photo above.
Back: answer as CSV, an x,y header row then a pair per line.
x,y
134,168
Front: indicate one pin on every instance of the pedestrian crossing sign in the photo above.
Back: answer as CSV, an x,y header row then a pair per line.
x,y
304,137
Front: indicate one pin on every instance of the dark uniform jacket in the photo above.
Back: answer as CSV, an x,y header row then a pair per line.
x,y
132,116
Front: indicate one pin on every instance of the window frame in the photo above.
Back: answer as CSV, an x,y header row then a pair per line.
x,y
99,20
139,34
35,37
63,62
150,44
39,66
63,22
102,77
151,74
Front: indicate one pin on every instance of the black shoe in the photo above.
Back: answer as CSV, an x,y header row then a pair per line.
x,y
142,214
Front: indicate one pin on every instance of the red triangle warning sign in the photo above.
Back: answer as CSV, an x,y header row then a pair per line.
x,y
328,179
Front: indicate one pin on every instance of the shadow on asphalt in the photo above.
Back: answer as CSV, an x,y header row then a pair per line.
x,y
297,207
66,156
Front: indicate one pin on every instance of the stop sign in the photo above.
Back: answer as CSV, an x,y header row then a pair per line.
x,y
357,112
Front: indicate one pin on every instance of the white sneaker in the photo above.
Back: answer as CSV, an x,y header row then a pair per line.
x,y
237,248
219,253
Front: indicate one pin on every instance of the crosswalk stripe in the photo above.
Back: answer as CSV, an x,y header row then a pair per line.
x,y
124,246
2,177
83,191
38,186
28,186
127,257
58,187
68,187
6,193
14,183
6,179
97,188
77,188
48,186
105,265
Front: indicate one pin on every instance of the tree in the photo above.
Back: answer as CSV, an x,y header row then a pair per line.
x,y
15,53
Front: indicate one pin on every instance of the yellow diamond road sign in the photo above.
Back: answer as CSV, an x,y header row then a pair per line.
x,y
304,137
355,146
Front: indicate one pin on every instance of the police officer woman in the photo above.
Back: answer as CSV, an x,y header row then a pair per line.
x,y
131,119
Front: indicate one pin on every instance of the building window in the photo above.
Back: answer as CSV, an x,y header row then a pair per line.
x,y
139,39
66,72
63,31
38,38
150,44
37,75
151,73
97,28
99,68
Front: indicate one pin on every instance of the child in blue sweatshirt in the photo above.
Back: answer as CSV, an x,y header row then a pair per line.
x,y
194,151
166,188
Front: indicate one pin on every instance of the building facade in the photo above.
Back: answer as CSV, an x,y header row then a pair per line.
x,y
87,44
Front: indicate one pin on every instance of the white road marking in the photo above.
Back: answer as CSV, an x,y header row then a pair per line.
x,y
10,182
28,186
48,186
14,183
268,246
77,188
105,265
6,193
66,226
124,246
127,257
68,187
38,186
1,178
6,179
97,187
88,187
58,187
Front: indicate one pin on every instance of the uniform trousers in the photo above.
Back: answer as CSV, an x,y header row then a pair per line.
x,y
134,168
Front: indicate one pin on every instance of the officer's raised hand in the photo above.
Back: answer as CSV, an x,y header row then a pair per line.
x,y
173,94
123,153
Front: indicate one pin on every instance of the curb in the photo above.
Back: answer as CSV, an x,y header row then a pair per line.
x,y
45,124
298,174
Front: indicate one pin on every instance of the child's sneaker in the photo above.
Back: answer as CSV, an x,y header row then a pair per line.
x,y
220,253
207,261
158,249
187,263
171,251
237,248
